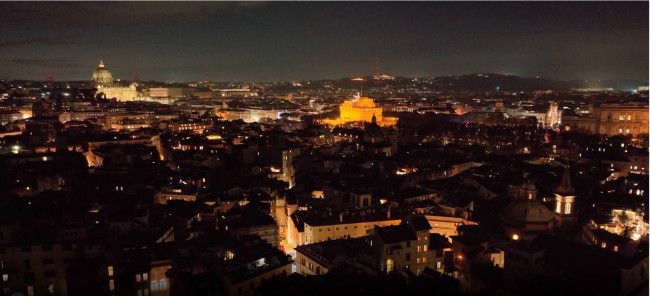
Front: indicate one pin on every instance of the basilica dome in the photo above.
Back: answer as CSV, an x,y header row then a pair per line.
x,y
102,77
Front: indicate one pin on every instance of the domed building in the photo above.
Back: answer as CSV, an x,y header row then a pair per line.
x,y
102,77
525,217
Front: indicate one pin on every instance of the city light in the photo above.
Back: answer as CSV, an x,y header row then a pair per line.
x,y
436,173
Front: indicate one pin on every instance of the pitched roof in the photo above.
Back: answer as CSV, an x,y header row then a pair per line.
x,y
419,222
395,234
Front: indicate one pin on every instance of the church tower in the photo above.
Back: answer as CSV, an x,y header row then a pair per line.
x,y
564,196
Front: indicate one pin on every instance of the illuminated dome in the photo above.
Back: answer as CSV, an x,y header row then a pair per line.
x,y
102,77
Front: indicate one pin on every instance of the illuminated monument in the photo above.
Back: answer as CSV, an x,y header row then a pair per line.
x,y
361,110
101,76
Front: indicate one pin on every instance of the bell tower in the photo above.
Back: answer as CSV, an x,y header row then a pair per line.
x,y
564,196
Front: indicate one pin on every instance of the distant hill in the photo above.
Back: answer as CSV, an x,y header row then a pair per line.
x,y
490,81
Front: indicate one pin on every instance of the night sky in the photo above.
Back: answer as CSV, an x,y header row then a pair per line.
x,y
317,40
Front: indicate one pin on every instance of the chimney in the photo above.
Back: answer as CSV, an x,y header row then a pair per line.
x,y
340,217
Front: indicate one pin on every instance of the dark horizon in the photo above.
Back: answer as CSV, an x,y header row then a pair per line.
x,y
280,41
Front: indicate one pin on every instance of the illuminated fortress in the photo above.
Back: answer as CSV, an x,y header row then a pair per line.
x,y
361,110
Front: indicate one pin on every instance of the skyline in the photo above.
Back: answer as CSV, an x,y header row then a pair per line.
x,y
243,41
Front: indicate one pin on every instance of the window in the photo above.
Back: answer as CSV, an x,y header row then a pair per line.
x,y
425,248
110,271
302,261
145,276
30,290
408,244
5,277
139,292
603,245
138,277
111,285
418,248
163,284
146,292
28,265
408,256
424,259
615,248
49,273
438,265
154,286
389,265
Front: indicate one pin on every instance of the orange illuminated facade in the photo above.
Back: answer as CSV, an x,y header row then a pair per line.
x,y
362,110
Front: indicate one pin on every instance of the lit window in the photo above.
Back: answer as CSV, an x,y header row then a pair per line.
x,y
5,277
163,284
603,245
615,248
145,276
424,259
139,292
138,277
111,285
110,271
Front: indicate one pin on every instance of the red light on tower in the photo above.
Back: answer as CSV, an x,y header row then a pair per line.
x,y
49,79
